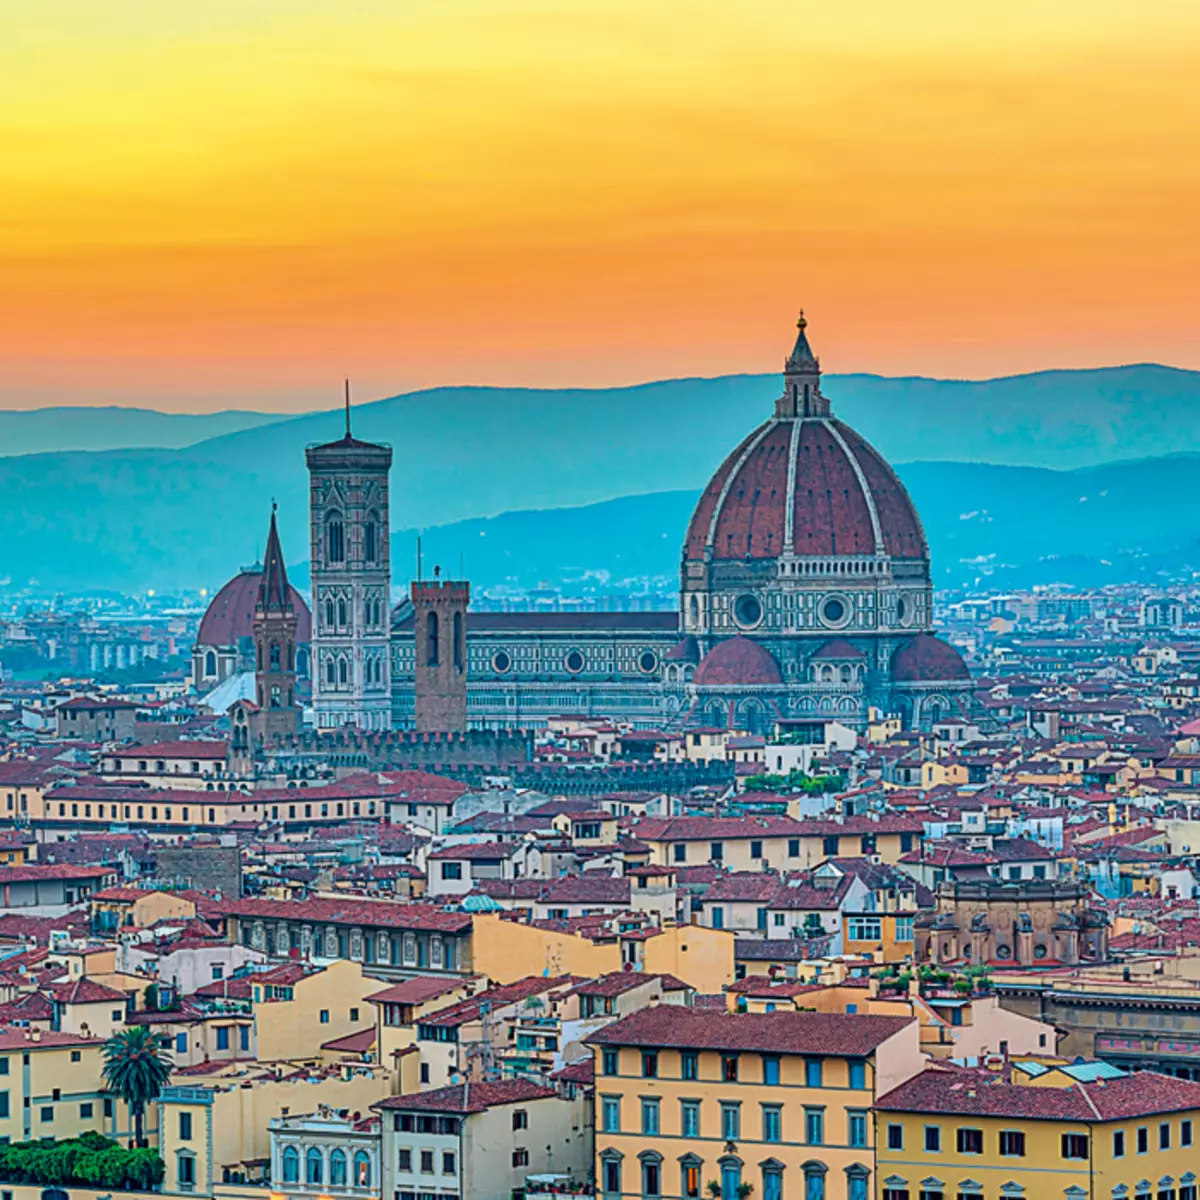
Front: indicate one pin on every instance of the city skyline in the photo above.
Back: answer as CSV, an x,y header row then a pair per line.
x,y
239,207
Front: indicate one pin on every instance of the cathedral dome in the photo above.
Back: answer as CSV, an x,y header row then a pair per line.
x,y
230,614
804,484
738,662
927,659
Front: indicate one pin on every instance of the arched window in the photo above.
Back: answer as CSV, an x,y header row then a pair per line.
x,y
610,1173
814,1180
772,1179
431,640
313,1166
731,1178
370,536
274,656
651,1175
337,1168
362,1169
210,662
693,610
459,641
857,1182
330,671
335,538
341,612
291,1164
343,671
329,621
847,674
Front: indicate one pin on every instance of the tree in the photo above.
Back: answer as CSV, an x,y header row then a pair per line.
x,y
136,1070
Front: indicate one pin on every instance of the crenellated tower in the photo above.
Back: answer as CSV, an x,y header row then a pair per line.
x,y
440,679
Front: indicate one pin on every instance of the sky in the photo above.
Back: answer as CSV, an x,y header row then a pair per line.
x,y
237,203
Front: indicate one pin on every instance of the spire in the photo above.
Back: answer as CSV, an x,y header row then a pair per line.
x,y
802,356
347,410
273,591
802,379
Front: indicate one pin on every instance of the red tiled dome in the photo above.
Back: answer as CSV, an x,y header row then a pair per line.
x,y
927,659
738,661
845,499
230,615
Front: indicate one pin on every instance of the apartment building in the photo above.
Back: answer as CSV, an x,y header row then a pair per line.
x,y
1089,1132
693,1103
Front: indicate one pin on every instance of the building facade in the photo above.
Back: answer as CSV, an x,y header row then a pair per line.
x,y
692,1104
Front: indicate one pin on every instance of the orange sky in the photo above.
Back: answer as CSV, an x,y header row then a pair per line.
x,y
238,202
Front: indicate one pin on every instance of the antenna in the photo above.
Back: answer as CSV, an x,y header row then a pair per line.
x,y
347,408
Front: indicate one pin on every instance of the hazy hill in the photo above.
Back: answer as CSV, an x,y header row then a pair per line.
x,y
42,430
165,518
1026,525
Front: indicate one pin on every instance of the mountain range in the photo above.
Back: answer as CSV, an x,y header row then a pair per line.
x,y
978,461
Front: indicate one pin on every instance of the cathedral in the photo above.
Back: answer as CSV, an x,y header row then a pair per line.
x,y
805,593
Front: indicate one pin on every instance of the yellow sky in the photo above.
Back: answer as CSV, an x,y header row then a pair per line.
x,y
242,201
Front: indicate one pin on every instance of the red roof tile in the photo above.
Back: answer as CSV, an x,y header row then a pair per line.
x,y
778,1032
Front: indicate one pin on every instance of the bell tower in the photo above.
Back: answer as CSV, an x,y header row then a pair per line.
x,y
274,645
440,629
351,581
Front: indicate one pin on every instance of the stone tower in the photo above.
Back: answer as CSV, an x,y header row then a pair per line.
x,y
274,645
440,680
351,577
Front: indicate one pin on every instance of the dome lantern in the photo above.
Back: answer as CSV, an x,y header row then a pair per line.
x,y
802,379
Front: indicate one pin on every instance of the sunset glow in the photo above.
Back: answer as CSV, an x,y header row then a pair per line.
x,y
239,202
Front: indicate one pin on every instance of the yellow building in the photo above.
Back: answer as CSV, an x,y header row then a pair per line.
x,y
507,950
687,1099
770,843
117,908
50,1087
299,1009
1083,1133
216,1131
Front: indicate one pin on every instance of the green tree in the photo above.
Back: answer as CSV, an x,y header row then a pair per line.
x,y
136,1070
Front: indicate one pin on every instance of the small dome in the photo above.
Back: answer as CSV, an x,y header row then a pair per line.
x,y
686,650
840,649
738,662
927,659
230,615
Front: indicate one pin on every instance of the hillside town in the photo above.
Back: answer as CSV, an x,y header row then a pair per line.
x,y
824,886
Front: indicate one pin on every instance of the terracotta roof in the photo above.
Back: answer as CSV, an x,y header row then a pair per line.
x,y
469,1097
738,661
230,613
778,1032
33,872
210,750
983,1093
360,1042
509,993
417,990
841,486
838,648
377,914
927,659
85,991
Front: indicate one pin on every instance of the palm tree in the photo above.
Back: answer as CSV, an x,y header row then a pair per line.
x,y
136,1071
